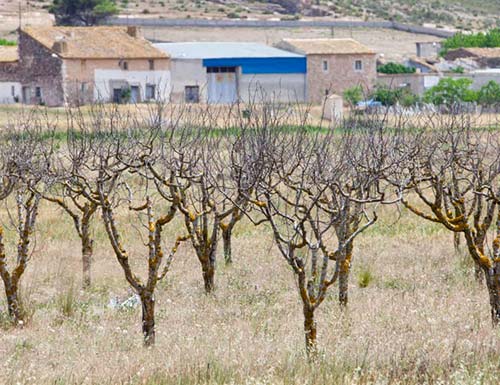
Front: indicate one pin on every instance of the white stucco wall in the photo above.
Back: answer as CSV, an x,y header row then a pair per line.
x,y
104,79
188,73
6,96
272,87
277,87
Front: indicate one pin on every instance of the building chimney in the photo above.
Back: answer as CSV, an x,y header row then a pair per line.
x,y
60,46
133,31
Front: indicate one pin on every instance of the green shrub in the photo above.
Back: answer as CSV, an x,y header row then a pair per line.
x,y
66,302
489,94
365,277
451,91
391,96
395,68
6,42
353,95
489,39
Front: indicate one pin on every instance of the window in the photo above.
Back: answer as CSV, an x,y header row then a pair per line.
x,y
83,88
38,92
151,64
192,94
123,65
325,65
12,90
83,64
150,92
358,65
220,69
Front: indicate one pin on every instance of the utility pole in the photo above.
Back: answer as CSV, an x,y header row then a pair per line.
x,y
20,17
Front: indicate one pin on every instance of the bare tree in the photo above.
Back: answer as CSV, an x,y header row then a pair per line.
x,y
68,194
454,175
296,197
115,177
25,153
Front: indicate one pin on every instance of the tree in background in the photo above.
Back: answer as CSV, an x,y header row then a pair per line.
x,y
450,92
353,95
391,96
395,68
489,94
82,12
489,39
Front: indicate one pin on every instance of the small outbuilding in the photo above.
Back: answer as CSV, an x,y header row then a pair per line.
x,y
227,72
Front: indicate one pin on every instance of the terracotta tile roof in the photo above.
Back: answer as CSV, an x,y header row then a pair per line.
x,y
326,46
8,54
94,43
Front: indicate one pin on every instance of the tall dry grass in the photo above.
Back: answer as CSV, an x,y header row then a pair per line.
x,y
420,319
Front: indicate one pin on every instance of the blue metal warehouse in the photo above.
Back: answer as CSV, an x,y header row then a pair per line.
x,y
225,72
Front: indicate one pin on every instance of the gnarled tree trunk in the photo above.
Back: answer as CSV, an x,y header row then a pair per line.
x,y
492,277
87,252
148,317
345,268
13,304
208,270
226,240
310,330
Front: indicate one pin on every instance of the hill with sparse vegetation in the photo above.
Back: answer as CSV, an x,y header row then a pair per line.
x,y
459,14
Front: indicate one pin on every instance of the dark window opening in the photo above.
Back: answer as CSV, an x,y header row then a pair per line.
x,y
192,94
221,69
151,64
150,92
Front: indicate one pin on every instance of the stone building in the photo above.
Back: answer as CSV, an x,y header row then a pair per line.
x,y
334,65
78,65
10,86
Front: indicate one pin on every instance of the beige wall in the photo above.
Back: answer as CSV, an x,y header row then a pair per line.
x,y
78,71
341,74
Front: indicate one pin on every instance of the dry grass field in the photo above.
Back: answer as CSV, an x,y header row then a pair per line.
x,y
420,319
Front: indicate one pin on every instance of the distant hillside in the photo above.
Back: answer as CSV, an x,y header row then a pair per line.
x,y
460,14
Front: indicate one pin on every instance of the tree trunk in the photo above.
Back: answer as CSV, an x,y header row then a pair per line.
x,y
13,305
87,252
343,287
478,273
148,317
208,269
226,239
310,331
456,242
493,283
345,268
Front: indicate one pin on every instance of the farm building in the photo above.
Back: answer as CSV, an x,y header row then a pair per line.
x,y
334,65
78,65
10,87
428,49
225,72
